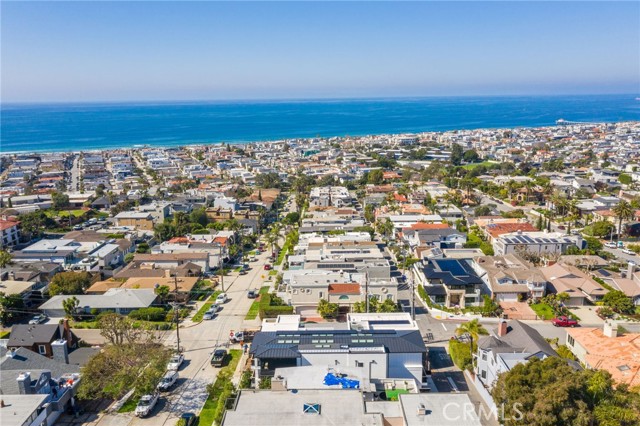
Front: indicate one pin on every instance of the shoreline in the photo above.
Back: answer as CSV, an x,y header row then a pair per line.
x,y
162,145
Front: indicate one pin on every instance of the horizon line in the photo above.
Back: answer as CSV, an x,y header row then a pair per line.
x,y
304,99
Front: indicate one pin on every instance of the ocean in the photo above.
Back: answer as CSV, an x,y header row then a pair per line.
x,y
92,126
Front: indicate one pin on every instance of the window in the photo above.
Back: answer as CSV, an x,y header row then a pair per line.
x,y
311,408
42,349
320,294
484,356
483,374
571,340
390,296
343,297
359,364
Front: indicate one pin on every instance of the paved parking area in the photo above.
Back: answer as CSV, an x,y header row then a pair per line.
x,y
518,310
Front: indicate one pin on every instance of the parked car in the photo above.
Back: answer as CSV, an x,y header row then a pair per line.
x,y
620,244
267,267
222,298
77,228
610,245
38,319
251,294
243,272
564,321
175,362
209,315
217,360
189,419
146,404
629,252
215,308
168,380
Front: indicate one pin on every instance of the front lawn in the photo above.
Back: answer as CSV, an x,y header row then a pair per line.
x,y
65,213
254,309
543,310
474,165
198,316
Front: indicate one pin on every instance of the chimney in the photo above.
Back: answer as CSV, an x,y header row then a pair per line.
x,y
68,336
11,352
610,328
631,268
60,351
502,328
24,383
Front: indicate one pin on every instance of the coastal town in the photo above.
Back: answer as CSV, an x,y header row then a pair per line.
x,y
467,277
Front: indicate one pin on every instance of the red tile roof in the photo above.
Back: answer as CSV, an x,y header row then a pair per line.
x,y
351,288
423,225
7,224
497,229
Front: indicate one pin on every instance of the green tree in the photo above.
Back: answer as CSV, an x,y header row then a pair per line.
x,y
292,218
5,258
623,211
625,179
199,215
162,292
10,307
164,231
70,306
619,302
599,229
551,392
375,176
69,283
456,154
129,257
470,156
482,211
59,200
327,310
473,328
268,180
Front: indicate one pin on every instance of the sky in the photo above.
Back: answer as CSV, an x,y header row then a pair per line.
x,y
127,51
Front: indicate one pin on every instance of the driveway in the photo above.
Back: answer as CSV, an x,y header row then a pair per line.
x,y
588,316
518,311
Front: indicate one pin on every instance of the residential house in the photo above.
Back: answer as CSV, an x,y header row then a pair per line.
x,y
510,278
60,251
135,220
36,390
605,349
510,344
541,243
580,287
450,282
40,337
10,232
118,300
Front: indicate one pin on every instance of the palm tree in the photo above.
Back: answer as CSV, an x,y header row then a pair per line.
x,y
472,329
622,212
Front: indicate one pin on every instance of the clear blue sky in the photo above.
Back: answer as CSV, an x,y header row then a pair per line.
x,y
85,51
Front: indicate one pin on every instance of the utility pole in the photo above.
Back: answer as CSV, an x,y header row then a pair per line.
x,y
366,289
220,271
175,307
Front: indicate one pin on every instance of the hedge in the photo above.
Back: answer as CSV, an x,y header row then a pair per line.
x,y
460,354
267,310
148,314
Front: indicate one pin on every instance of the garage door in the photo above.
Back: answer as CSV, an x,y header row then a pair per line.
x,y
507,297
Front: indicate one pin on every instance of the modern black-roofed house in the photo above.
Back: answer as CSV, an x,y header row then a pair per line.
x,y
380,354
450,282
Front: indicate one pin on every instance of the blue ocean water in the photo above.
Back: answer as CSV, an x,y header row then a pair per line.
x,y
72,127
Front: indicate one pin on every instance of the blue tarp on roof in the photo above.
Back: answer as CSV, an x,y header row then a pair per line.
x,y
330,380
